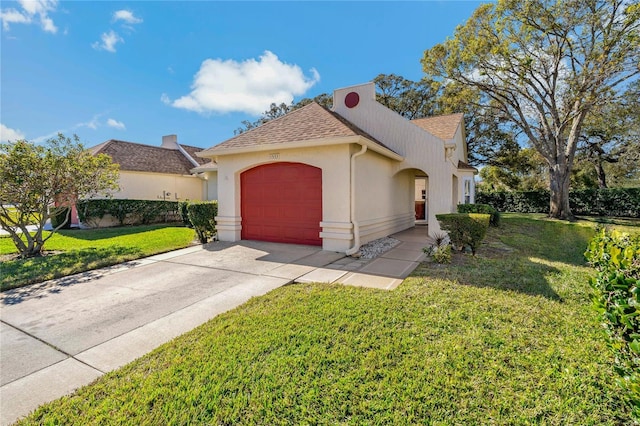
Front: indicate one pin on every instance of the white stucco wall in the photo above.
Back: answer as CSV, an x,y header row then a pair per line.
x,y
337,232
210,186
150,186
421,150
384,198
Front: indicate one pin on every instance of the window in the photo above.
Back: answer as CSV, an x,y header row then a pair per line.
x,y
468,190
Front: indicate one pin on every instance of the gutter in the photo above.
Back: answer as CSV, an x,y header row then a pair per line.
x,y
354,222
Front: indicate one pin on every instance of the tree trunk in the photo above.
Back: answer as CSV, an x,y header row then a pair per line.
x,y
559,188
602,177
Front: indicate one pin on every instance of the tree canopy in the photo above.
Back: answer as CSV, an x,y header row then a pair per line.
x,y
37,181
544,66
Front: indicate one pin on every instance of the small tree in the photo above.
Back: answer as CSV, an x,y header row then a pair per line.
x,y
39,181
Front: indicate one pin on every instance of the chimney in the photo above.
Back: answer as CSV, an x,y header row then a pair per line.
x,y
170,142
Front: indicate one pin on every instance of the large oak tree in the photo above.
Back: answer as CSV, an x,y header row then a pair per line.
x,y
544,65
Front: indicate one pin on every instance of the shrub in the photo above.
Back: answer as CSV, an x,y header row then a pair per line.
x,y
202,217
133,212
184,214
440,250
481,208
616,296
465,229
59,216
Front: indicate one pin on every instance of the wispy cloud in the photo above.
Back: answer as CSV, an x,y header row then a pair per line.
x,y
108,41
249,86
116,124
91,124
9,134
31,11
127,16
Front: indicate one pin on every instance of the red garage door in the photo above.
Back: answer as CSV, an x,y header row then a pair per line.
x,y
282,202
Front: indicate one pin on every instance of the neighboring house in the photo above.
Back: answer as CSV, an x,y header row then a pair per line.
x,y
340,178
171,171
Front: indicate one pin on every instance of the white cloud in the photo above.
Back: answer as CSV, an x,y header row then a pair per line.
x,y
30,10
92,124
249,86
164,98
9,134
116,124
126,16
109,41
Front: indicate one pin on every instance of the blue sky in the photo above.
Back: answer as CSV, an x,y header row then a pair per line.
x,y
138,70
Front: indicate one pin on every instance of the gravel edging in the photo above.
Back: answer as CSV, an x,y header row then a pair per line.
x,y
375,248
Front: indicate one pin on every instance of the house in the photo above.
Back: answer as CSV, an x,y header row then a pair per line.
x,y
171,171
340,178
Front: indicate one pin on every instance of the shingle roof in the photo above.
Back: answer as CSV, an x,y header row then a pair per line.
x,y
464,166
145,158
442,126
191,150
310,122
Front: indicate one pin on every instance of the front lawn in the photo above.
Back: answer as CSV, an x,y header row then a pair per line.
x,y
83,250
506,338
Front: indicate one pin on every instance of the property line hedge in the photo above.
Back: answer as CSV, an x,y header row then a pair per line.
x,y
465,229
618,202
130,212
616,296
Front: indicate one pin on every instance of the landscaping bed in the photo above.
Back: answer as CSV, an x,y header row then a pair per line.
x,y
506,337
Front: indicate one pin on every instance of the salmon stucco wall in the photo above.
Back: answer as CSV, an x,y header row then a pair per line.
x,y
155,186
337,232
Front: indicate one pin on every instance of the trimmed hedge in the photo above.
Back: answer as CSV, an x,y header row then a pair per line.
x,y
616,296
131,212
465,229
617,202
202,215
184,214
481,208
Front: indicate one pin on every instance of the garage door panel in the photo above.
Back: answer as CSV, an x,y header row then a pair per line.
x,y
282,202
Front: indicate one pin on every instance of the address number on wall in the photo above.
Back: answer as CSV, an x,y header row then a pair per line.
x,y
274,156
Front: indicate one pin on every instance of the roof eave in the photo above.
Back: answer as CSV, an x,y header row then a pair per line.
x,y
219,152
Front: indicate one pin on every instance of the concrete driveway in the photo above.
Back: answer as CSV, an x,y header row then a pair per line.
x,y
63,334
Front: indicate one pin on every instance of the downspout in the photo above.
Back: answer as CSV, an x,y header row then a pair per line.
x,y
354,222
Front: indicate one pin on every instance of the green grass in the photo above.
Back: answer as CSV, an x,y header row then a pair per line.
x,y
83,250
506,338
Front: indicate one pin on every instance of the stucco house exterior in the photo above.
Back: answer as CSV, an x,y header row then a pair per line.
x,y
171,171
340,178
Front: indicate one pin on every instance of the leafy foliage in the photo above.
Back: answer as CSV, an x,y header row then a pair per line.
x,y
616,296
130,212
544,65
184,213
61,218
34,178
617,202
202,216
481,208
465,229
440,250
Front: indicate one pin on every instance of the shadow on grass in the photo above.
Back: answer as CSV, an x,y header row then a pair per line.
x,y
22,272
552,240
117,231
509,274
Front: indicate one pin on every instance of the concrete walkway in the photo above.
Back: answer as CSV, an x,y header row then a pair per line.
x,y
62,334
